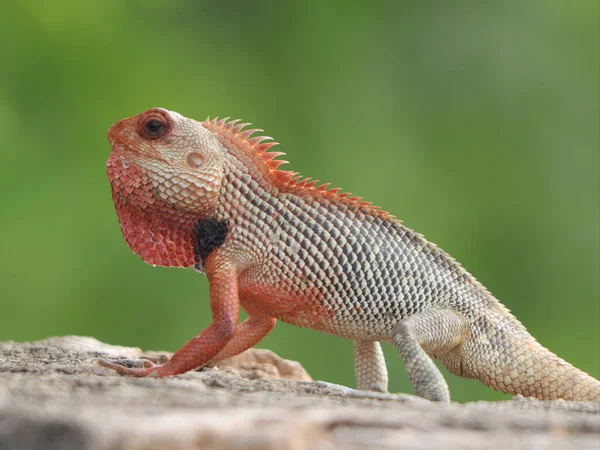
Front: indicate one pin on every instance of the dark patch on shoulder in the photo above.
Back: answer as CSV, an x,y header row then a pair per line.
x,y
209,235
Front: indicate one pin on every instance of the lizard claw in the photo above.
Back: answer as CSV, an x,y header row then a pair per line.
x,y
148,370
155,360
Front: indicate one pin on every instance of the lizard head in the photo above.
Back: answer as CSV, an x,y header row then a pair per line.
x,y
181,158
165,172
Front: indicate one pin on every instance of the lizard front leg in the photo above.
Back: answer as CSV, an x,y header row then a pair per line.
x,y
246,335
369,365
224,304
433,332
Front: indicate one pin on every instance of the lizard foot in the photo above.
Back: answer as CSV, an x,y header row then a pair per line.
x,y
344,391
149,369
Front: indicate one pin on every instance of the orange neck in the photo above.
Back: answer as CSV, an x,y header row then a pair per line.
x,y
160,234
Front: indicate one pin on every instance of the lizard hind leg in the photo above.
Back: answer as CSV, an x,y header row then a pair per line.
x,y
369,365
418,338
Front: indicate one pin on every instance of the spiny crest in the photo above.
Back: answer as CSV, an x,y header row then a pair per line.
x,y
259,150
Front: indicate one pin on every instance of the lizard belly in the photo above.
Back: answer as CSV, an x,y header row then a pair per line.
x,y
305,310
333,313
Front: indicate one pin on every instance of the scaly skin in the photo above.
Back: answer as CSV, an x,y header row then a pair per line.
x,y
209,196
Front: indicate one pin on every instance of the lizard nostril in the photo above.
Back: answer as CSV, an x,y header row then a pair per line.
x,y
194,160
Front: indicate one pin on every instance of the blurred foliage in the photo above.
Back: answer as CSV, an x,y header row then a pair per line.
x,y
476,123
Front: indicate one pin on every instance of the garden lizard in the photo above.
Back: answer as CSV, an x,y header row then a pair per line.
x,y
210,196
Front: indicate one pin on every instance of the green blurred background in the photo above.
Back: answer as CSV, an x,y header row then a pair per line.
x,y
476,123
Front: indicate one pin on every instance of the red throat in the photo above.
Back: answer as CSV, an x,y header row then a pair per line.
x,y
157,232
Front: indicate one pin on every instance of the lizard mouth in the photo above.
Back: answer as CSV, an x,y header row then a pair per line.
x,y
117,140
121,141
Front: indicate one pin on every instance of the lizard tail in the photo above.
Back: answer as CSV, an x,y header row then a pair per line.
x,y
537,372
510,360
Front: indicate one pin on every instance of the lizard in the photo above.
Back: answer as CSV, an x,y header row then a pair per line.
x,y
211,196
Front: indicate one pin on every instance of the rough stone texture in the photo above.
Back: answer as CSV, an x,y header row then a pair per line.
x,y
52,396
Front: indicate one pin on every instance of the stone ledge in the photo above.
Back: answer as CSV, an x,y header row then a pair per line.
x,y
52,396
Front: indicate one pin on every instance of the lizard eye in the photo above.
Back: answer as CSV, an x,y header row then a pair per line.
x,y
154,126
194,160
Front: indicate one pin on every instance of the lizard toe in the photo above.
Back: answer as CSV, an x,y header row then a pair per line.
x,y
140,372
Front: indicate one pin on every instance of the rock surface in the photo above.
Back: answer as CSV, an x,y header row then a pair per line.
x,y
52,396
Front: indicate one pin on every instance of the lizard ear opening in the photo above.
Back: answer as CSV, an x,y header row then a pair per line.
x,y
194,160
